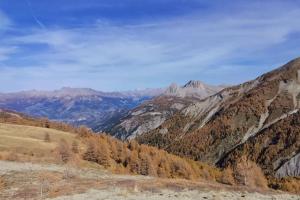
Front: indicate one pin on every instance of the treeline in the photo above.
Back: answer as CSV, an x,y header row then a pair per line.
x,y
131,157
21,119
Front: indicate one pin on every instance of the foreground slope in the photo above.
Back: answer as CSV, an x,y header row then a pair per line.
x,y
66,171
30,138
19,181
257,119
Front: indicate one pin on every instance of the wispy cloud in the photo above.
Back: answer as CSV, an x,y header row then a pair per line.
x,y
38,22
5,52
110,56
5,22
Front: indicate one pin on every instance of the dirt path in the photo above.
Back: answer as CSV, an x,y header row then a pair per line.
x,y
118,194
37,181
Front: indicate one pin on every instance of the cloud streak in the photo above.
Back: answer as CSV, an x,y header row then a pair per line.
x,y
38,22
5,22
109,56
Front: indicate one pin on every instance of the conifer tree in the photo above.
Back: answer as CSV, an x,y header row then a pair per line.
x,y
103,153
134,162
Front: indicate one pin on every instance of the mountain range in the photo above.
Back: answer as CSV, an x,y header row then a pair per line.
x,y
76,106
254,122
84,106
258,120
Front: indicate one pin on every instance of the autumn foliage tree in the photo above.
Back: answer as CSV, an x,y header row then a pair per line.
x,y
103,153
134,158
134,162
64,151
90,153
227,176
250,174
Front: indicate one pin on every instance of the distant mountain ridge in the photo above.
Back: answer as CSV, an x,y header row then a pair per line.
x,y
193,88
75,92
84,106
96,109
77,106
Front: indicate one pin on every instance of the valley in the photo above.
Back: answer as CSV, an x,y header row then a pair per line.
x,y
149,99
197,132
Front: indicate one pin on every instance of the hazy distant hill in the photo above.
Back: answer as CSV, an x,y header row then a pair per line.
x,y
77,106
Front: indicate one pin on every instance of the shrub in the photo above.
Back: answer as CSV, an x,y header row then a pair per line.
x,y
289,184
68,174
64,151
12,156
227,177
250,174
2,183
75,148
47,137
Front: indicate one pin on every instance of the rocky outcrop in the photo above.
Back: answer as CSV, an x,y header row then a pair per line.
x,y
290,168
154,113
195,89
148,116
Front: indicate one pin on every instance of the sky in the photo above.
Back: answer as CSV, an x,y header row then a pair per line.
x,y
117,45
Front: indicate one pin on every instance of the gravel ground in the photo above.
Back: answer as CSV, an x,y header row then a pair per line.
x,y
118,194
118,187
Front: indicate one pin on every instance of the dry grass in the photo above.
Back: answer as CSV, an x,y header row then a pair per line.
x,y
37,184
2,183
290,184
19,142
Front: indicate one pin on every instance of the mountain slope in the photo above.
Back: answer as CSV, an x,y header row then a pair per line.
x,y
23,138
155,112
228,125
77,106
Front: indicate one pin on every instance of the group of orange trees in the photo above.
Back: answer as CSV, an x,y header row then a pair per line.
x,y
134,158
121,156
131,157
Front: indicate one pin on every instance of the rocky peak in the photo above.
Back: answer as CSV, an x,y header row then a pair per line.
x,y
194,84
172,89
193,88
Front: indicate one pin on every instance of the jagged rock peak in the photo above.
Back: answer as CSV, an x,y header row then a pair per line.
x,y
173,88
193,88
195,84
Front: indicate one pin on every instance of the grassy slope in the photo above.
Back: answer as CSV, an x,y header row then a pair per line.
x,y
29,140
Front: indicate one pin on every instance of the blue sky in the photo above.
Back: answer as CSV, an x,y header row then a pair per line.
x,y
134,44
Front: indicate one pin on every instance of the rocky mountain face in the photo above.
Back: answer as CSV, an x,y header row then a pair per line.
x,y
77,106
196,89
151,114
258,119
